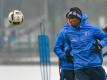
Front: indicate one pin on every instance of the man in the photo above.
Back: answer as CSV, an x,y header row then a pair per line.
x,y
62,50
86,42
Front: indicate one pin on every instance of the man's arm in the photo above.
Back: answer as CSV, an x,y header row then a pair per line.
x,y
62,48
101,36
59,46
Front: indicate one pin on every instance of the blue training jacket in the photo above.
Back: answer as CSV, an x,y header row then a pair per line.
x,y
81,41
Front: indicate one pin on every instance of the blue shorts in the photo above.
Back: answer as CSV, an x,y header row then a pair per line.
x,y
95,73
67,75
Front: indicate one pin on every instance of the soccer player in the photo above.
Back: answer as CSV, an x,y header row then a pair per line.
x,y
86,42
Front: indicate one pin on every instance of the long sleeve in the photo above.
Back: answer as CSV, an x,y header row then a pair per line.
x,y
100,35
59,46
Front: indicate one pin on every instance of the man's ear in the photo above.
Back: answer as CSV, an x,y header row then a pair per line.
x,y
66,20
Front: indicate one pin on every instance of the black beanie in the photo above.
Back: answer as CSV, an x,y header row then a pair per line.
x,y
75,12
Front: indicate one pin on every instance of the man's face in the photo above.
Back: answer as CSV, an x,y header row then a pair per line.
x,y
74,22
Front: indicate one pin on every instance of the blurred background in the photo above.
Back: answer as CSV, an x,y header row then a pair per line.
x,y
19,44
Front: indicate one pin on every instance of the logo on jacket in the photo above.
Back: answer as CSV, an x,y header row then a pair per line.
x,y
86,33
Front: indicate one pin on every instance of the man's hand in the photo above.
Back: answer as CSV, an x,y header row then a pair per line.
x,y
97,47
69,58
